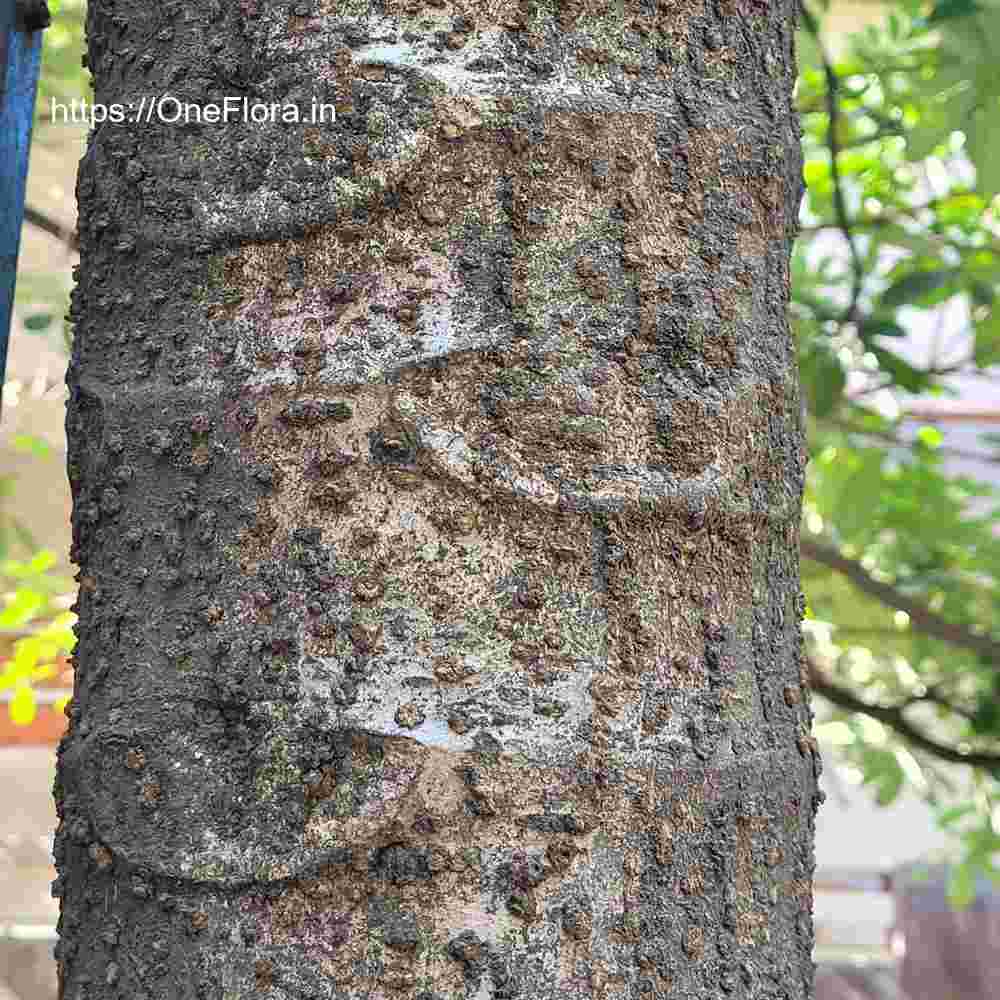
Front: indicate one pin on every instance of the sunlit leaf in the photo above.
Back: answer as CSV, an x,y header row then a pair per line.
x,y
25,604
955,813
930,437
22,706
31,444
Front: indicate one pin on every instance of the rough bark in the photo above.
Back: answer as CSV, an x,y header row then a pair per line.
x,y
436,486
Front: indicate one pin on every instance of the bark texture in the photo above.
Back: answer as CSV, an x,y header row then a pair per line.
x,y
436,484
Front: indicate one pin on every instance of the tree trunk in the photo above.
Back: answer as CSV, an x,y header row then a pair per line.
x,y
436,483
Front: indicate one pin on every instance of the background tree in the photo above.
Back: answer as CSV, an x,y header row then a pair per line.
x,y
437,483
901,575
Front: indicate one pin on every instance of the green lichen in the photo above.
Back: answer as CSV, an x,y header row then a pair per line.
x,y
215,270
379,123
588,427
551,709
354,193
360,9
428,948
375,949
343,801
741,706
325,836
208,871
424,118
266,871
279,772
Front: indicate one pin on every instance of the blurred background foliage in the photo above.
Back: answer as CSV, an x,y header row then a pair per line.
x,y
900,567
901,137
63,75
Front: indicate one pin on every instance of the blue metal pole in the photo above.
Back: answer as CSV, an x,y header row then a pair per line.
x,y
21,24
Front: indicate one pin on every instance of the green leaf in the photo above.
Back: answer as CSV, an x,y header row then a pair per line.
x,y
42,560
982,293
32,444
924,138
930,437
946,9
987,340
955,813
824,379
914,286
874,327
24,605
917,240
981,144
37,323
903,373
882,769
857,485
807,51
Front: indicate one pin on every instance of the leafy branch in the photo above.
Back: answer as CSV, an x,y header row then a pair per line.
x,y
921,617
894,716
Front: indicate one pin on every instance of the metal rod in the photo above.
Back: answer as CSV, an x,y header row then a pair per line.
x,y
21,24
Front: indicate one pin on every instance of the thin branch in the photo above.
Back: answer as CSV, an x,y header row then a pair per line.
x,y
933,696
877,222
893,716
921,617
839,203
870,390
862,630
864,140
44,222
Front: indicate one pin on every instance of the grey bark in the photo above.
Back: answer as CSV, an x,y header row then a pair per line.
x,y
436,483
